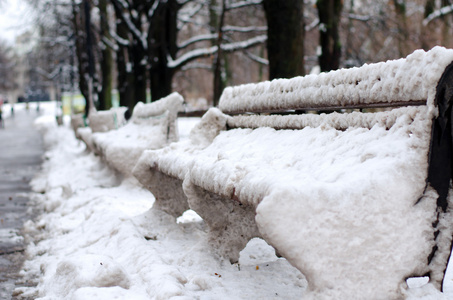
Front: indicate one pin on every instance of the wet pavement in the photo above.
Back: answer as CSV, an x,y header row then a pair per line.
x,y
20,158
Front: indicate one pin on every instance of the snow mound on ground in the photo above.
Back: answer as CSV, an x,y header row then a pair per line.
x,y
87,271
160,258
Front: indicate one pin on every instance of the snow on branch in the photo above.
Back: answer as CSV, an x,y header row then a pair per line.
x,y
438,13
198,38
189,56
244,44
241,4
358,17
183,2
153,9
121,41
132,28
312,25
123,3
205,52
109,43
192,11
196,66
244,29
257,58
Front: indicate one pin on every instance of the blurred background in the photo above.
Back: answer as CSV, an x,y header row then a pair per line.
x,y
120,52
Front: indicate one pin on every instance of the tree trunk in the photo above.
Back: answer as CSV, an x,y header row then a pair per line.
x,y
79,33
139,71
162,43
285,41
426,32
400,9
124,65
329,12
218,83
105,96
446,35
90,107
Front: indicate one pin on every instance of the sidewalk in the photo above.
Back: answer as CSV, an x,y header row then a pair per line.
x,y
20,159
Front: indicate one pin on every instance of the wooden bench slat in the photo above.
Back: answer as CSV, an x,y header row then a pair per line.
x,y
340,121
298,110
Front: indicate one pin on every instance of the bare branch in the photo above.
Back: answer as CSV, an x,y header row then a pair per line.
x,y
244,44
244,29
256,58
153,9
107,42
196,66
243,4
312,25
130,24
198,38
205,52
190,56
121,41
437,14
358,17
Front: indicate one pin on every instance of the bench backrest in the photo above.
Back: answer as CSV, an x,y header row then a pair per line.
x,y
102,121
408,81
163,111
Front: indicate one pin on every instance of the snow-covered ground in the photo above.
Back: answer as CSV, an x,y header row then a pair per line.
x,y
96,238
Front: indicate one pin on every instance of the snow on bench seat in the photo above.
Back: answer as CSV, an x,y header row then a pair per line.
x,y
152,126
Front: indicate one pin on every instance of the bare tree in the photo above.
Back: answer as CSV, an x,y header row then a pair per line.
x,y
7,66
286,31
329,12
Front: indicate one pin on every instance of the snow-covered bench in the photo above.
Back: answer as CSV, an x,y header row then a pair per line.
x,y
357,201
152,126
77,121
101,121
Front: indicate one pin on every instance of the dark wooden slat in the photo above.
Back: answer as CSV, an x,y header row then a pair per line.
x,y
193,113
332,108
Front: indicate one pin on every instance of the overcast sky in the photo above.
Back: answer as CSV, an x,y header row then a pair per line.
x,y
15,18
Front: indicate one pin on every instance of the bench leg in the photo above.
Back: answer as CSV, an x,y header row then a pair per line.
x,y
167,190
231,224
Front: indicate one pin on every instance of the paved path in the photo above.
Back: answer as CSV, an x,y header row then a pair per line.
x,y
20,158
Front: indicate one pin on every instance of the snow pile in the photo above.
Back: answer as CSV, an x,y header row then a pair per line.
x,y
152,126
409,79
96,239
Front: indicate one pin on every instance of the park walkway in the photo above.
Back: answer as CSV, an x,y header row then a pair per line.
x,y
20,158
